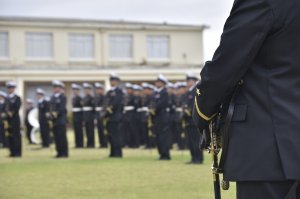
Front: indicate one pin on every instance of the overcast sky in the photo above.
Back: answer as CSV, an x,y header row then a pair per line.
x,y
208,12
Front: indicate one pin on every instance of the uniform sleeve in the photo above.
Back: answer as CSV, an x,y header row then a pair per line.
x,y
16,107
245,30
62,105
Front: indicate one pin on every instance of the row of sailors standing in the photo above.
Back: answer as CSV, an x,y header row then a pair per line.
x,y
143,115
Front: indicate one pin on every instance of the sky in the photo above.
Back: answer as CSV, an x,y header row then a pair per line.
x,y
200,12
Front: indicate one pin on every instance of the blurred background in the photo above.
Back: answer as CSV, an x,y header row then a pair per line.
x,y
77,41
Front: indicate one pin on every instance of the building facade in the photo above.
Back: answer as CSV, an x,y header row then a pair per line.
x,y
35,51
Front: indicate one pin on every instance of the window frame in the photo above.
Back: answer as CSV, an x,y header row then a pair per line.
x,y
30,58
120,59
158,59
82,59
7,57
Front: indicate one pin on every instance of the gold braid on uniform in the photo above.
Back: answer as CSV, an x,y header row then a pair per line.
x,y
206,118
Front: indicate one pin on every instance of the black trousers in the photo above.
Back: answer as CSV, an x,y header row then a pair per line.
x,y
78,131
45,133
194,143
265,190
3,138
90,133
28,133
162,132
131,133
101,135
115,139
60,138
14,140
181,136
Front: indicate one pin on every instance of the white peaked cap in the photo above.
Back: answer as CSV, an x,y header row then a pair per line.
x,y
58,83
11,84
40,91
162,78
99,85
86,85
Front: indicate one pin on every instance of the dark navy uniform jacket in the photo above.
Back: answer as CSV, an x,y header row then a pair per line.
x,y
88,102
161,106
43,107
14,104
261,45
99,103
115,102
58,109
188,105
77,104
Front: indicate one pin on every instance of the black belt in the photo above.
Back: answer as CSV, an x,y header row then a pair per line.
x,y
228,119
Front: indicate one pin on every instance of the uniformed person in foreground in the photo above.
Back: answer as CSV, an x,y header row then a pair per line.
x,y
89,115
28,126
14,124
259,56
77,115
114,108
3,119
192,131
44,107
161,117
58,116
99,110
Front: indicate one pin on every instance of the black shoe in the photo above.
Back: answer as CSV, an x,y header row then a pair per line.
x,y
164,158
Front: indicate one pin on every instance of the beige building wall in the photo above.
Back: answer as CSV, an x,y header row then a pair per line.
x,y
185,49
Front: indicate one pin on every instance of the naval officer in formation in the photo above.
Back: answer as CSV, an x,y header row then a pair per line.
x,y
58,116
14,124
127,115
114,110
77,115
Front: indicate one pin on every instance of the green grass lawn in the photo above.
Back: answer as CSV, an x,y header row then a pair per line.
x,y
88,173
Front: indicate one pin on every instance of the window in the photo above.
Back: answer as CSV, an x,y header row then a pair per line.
x,y
120,46
81,46
39,45
158,47
3,44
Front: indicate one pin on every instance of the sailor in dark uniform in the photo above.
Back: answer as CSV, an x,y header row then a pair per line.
x,y
171,92
58,116
99,110
129,124
161,117
146,118
29,107
137,92
89,114
114,109
192,132
14,123
77,115
44,107
3,119
179,121
257,66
